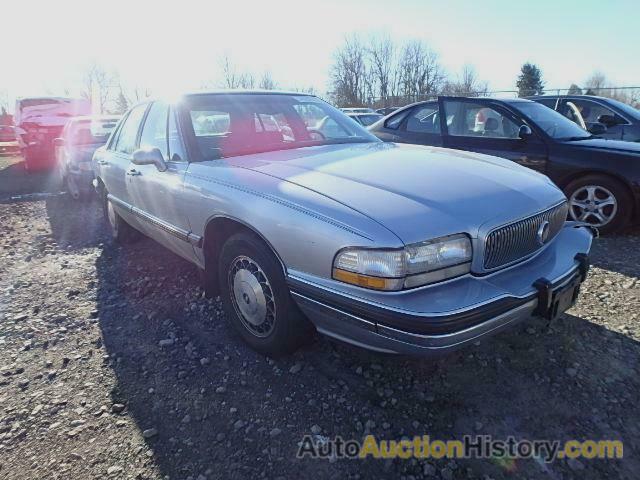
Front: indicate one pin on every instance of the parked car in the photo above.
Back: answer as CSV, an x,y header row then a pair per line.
x,y
387,110
600,177
39,121
8,140
342,232
365,119
74,149
358,110
622,121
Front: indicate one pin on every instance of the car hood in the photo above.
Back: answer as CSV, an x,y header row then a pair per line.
x,y
608,145
416,192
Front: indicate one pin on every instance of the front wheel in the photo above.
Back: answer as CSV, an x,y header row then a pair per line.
x,y
256,299
600,201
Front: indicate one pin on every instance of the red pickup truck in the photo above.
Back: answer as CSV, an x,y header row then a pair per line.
x,y
39,121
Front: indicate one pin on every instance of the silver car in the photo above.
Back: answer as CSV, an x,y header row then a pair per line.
x,y
300,219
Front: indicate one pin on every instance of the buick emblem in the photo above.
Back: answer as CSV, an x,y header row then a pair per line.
x,y
543,233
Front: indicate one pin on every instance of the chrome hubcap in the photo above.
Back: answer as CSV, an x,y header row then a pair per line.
x,y
593,204
252,296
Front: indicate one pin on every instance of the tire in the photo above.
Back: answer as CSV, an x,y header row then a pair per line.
x,y
256,298
594,198
120,230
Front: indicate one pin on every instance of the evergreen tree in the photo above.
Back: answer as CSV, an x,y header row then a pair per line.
x,y
574,90
122,104
530,81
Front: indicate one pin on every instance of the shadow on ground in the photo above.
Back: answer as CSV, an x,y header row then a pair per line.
x,y
223,411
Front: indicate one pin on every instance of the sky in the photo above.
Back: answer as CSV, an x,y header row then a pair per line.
x,y
176,46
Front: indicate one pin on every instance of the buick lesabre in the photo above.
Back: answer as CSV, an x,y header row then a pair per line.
x,y
300,219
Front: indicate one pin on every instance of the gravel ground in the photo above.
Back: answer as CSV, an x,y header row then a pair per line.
x,y
114,365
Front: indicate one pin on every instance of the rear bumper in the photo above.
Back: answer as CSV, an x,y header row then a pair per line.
x,y
410,322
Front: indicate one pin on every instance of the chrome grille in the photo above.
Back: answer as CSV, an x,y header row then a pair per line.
x,y
517,240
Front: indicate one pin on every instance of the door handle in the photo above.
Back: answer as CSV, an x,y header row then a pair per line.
x,y
133,172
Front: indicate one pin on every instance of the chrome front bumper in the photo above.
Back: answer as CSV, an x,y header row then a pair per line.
x,y
446,316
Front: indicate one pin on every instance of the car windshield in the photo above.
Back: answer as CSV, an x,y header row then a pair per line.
x,y
554,124
367,120
227,125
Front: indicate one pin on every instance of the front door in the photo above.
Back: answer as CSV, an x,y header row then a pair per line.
x,y
486,127
157,195
114,164
594,112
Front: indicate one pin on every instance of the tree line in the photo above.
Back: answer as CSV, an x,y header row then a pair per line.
x,y
378,71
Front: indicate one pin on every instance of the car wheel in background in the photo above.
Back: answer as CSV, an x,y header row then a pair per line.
x,y
256,298
120,230
600,201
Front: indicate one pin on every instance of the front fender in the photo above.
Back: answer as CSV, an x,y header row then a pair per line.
x,y
304,228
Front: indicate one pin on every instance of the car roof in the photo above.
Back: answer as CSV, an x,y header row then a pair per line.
x,y
489,99
247,92
535,97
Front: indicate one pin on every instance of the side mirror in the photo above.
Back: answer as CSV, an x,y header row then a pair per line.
x,y
58,142
149,156
524,132
598,129
607,120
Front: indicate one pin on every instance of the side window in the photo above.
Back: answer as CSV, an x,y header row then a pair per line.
x,y
470,119
113,139
395,121
424,119
154,132
590,111
128,135
176,150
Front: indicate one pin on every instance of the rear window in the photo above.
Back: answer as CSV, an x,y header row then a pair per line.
x,y
90,132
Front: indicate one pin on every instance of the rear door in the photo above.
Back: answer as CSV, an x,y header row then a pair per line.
x,y
485,126
157,196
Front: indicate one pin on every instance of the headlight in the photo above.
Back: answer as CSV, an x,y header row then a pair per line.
x,y
417,264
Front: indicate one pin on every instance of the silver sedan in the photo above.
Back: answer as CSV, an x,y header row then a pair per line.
x,y
300,220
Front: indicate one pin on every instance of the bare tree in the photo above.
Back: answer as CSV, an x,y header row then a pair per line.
x,y
4,99
467,84
595,83
349,72
382,67
96,85
420,73
267,82
232,78
598,84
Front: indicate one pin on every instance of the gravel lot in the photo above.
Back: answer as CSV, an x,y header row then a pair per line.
x,y
114,365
